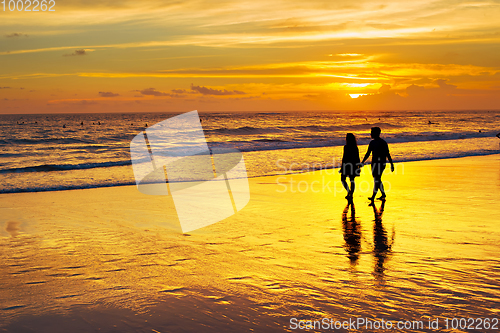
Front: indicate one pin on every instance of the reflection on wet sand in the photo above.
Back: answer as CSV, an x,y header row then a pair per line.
x,y
352,236
99,259
352,233
381,245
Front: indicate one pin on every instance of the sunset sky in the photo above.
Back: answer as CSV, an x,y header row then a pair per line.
x,y
133,56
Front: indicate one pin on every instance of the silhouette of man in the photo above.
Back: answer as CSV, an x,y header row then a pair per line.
x,y
380,150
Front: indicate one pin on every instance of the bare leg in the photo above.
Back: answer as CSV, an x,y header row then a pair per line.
x,y
381,186
376,185
353,186
344,183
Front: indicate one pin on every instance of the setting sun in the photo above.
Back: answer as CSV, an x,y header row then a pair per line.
x,y
356,95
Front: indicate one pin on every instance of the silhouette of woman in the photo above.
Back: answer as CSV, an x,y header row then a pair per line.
x,y
350,164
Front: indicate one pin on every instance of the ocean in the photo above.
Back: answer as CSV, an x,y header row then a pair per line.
x,y
113,260
52,152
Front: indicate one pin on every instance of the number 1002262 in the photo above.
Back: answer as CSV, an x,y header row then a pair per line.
x,y
28,5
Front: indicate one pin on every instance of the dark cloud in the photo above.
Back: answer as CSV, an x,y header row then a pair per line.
x,y
107,94
179,91
385,88
81,102
443,85
420,92
79,52
15,34
414,90
441,94
210,91
5,87
86,102
154,92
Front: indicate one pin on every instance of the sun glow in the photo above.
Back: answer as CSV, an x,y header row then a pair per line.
x,y
298,55
357,95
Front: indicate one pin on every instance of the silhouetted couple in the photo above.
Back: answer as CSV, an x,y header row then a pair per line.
x,y
351,166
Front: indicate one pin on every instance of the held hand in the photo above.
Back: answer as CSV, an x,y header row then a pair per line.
x,y
392,167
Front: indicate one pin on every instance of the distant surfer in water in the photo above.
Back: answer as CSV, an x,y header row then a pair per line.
x,y
381,154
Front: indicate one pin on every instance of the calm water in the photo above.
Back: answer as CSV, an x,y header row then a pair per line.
x,y
54,152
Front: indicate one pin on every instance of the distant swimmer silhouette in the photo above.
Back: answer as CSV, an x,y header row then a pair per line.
x,y
381,154
351,165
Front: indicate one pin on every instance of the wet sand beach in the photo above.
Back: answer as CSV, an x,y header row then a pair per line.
x,y
114,260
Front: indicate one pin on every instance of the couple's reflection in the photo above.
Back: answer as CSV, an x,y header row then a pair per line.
x,y
352,233
353,236
381,244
